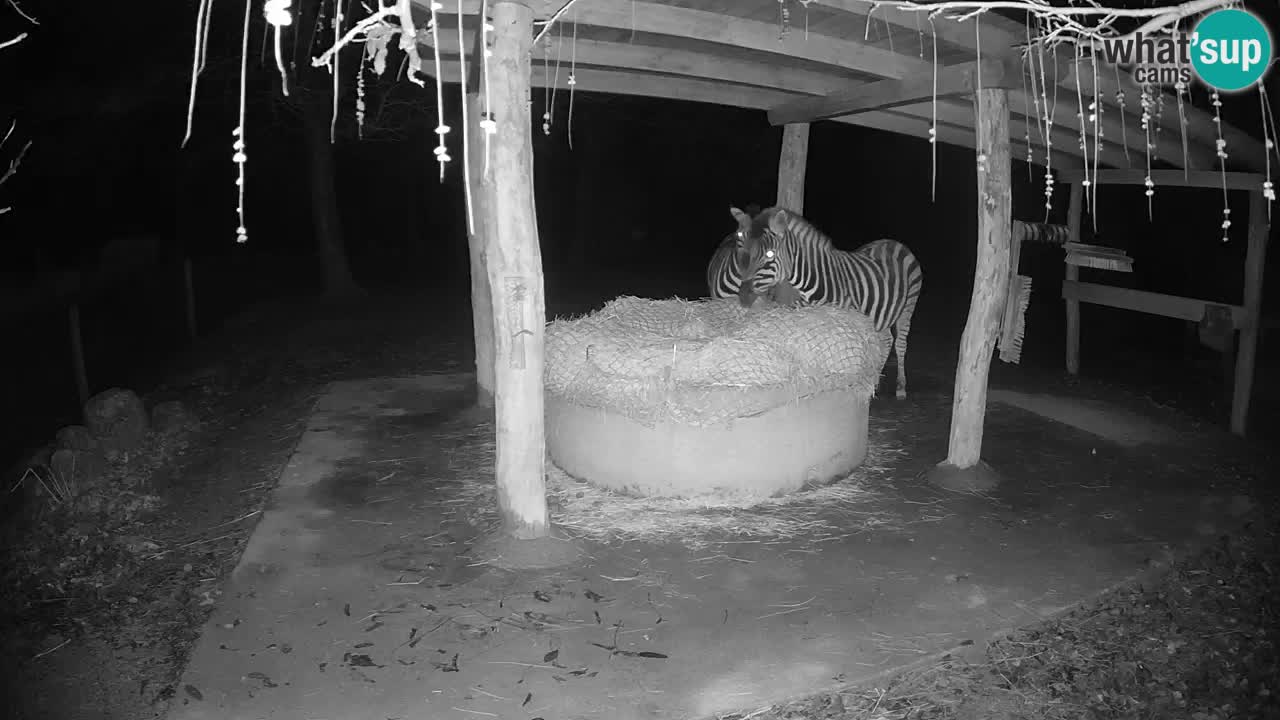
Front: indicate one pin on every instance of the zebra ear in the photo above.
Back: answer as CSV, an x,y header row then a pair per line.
x,y
778,221
743,219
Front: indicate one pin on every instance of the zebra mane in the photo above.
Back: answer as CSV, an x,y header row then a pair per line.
x,y
800,227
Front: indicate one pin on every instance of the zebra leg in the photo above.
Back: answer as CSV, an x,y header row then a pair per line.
x,y
900,331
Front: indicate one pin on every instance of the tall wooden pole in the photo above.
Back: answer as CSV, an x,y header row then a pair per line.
x,y
1075,210
77,354
1254,265
189,297
961,469
477,238
514,270
793,161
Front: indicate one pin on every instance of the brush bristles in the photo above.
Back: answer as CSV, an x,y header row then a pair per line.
x,y
1011,337
1101,263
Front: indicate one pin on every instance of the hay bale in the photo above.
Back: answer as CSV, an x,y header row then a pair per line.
x,y
670,397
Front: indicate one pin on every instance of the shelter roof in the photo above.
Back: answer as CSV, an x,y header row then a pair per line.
x,y
742,53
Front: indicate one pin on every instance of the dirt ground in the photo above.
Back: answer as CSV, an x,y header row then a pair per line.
x,y
1196,641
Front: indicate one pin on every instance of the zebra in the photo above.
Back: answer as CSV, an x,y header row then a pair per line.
x,y
881,279
723,276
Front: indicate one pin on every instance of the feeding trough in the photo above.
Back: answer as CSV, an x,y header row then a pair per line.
x,y
678,399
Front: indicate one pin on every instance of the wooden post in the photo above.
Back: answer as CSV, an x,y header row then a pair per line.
x,y
962,470
77,354
1254,265
1075,210
793,161
513,265
477,239
189,297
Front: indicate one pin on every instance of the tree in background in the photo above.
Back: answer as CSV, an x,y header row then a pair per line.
x,y
16,160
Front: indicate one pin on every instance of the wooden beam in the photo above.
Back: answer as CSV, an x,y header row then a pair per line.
x,y
1075,213
514,270
952,81
1170,178
697,90
1254,270
999,34
1171,306
602,55
793,161
990,281
958,114
738,33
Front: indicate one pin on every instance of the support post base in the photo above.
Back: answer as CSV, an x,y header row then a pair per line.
x,y
978,478
501,550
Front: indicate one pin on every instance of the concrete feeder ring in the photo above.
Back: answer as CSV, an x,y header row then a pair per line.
x,y
680,399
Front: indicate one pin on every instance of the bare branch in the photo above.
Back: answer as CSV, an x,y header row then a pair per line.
x,y
23,13
13,41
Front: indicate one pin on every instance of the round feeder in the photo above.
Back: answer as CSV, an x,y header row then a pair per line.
x,y
678,399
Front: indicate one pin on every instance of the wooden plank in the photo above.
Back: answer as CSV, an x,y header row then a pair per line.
x,y
514,269
953,112
952,81
998,33
793,161
1250,326
990,282
1151,303
601,55
711,27
1170,178
1075,213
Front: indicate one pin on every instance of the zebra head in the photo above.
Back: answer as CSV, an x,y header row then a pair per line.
x,y
758,258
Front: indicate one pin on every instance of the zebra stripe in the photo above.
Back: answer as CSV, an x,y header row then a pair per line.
x,y
881,279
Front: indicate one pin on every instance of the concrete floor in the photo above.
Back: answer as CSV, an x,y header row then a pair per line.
x,y
356,596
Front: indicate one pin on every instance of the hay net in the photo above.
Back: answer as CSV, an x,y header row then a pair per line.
x,y
708,362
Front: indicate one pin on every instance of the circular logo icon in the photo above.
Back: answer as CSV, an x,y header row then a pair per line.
x,y
1231,49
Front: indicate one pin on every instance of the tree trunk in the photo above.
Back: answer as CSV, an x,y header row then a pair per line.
x,y
990,281
338,281
514,271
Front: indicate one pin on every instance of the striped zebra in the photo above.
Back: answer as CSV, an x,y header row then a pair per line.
x,y
723,276
881,279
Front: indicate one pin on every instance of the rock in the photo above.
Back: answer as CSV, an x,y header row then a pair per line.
x,y
75,470
172,417
118,419
76,437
